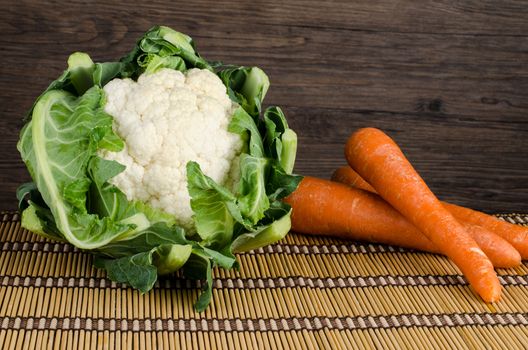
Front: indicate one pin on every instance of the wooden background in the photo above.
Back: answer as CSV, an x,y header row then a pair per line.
x,y
447,79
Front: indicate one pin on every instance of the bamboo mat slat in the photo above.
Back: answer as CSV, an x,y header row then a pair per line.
x,y
304,292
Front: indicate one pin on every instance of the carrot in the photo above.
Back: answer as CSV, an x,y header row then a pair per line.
x,y
500,252
330,208
515,235
346,175
360,215
377,158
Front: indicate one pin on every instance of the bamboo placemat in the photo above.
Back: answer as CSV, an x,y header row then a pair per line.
x,y
303,293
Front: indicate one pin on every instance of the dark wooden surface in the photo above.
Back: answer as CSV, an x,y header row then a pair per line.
x,y
447,79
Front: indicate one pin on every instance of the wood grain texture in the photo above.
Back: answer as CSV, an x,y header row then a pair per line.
x,y
447,79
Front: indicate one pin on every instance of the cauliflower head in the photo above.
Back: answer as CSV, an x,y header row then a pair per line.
x,y
167,119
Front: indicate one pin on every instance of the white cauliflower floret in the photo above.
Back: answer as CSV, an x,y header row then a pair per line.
x,y
167,119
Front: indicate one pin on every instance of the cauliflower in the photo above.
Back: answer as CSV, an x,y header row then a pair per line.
x,y
157,162
167,119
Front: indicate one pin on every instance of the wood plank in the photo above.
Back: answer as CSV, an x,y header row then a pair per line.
x,y
448,80
448,17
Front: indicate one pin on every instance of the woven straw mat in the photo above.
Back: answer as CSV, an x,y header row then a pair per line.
x,y
302,293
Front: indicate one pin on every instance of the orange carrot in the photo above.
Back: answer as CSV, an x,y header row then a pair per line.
x,y
377,158
515,235
330,208
500,252
346,175
361,215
